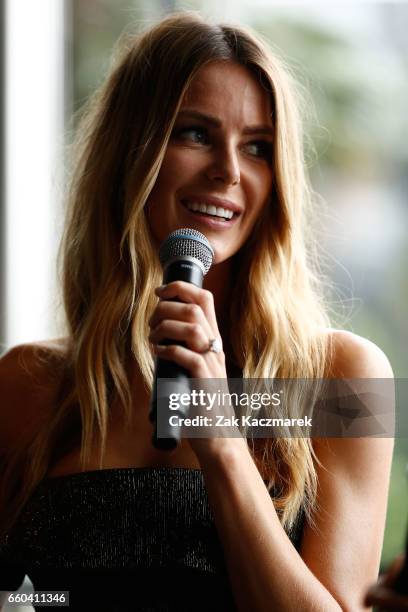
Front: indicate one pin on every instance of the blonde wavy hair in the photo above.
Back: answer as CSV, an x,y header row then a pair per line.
x,y
109,267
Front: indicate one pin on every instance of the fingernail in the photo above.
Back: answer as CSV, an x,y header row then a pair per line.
x,y
161,288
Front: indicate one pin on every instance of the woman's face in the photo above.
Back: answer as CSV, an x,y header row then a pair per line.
x,y
216,175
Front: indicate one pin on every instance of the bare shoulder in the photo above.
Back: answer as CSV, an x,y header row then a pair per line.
x,y
353,356
29,378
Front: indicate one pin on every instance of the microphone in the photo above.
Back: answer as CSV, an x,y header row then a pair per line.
x,y
185,255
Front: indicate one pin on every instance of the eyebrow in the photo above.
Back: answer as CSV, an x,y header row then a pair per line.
x,y
214,122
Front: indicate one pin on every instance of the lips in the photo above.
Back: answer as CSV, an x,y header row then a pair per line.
x,y
201,220
211,207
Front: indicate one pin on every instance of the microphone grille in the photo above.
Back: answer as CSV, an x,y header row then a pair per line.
x,y
186,241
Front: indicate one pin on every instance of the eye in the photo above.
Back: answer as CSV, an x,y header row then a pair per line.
x,y
194,133
259,148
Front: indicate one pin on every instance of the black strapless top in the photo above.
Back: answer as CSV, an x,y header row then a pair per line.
x,y
123,539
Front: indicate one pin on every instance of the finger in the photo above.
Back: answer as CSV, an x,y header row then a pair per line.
x,y
191,361
179,311
189,293
190,333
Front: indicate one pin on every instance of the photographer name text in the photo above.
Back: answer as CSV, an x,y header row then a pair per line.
x,y
242,421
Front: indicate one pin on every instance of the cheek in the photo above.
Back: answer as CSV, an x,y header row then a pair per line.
x,y
260,197
163,183
179,165
166,181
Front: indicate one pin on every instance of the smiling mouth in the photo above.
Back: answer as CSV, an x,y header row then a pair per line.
x,y
209,210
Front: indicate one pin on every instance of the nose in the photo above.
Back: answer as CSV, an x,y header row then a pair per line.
x,y
225,167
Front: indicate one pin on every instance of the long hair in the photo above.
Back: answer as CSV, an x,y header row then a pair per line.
x,y
109,267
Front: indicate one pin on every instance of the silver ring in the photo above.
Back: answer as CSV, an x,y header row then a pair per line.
x,y
214,345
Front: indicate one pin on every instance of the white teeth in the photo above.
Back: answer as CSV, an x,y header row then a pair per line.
x,y
210,209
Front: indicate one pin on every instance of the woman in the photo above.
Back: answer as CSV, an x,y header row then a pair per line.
x,y
192,116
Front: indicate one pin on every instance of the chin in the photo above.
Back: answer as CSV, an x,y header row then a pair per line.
x,y
220,256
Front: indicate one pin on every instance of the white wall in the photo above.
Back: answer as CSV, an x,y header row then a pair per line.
x,y
34,129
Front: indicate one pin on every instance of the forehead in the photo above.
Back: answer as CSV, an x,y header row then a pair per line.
x,y
229,90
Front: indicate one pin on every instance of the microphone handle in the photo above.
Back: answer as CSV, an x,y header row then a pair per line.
x,y
177,381
177,378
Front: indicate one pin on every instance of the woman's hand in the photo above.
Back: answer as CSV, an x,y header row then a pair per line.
x,y
193,322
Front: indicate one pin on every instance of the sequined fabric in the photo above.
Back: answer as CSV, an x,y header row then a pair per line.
x,y
134,538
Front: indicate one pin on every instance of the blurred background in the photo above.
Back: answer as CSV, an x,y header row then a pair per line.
x,y
351,60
